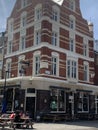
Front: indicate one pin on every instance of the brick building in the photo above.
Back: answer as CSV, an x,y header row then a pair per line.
x,y
50,59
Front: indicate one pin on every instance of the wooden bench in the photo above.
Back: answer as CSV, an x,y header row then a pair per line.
x,y
54,117
4,124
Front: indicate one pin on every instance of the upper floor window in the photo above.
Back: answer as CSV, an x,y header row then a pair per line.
x,y
54,38
21,66
10,25
22,42
72,44
37,64
72,4
85,72
23,19
54,65
85,49
8,69
38,12
85,46
23,3
72,69
72,22
55,13
10,47
38,37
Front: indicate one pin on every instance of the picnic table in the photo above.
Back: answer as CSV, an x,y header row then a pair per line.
x,y
7,121
26,122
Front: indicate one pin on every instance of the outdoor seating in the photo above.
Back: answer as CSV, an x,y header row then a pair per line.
x,y
6,121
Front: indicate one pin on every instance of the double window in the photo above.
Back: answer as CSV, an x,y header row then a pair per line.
x,y
83,104
57,103
72,69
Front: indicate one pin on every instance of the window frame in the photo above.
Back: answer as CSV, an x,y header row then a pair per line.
x,y
22,42
82,103
54,39
56,97
72,69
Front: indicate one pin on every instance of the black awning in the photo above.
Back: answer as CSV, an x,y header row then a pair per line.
x,y
10,86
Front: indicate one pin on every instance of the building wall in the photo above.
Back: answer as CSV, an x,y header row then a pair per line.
x,y
79,33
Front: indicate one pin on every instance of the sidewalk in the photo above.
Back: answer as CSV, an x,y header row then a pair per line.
x,y
79,125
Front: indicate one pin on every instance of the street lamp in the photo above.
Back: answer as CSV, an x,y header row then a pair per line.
x,y
4,103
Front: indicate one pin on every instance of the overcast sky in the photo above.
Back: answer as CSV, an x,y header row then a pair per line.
x,y
89,9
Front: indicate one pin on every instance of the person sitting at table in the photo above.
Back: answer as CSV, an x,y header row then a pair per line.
x,y
18,119
12,116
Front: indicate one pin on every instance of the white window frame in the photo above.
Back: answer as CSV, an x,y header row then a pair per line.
x,y
54,39
38,12
55,71
72,22
55,14
72,5
10,44
23,19
8,68
85,47
23,3
21,58
10,25
72,69
36,70
86,70
72,45
38,37
22,42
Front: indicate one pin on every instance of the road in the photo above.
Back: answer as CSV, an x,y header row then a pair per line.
x,y
76,125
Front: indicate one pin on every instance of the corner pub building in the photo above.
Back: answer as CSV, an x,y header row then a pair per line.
x,y
49,60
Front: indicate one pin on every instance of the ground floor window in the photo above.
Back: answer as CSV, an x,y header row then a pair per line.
x,y
96,104
57,100
83,104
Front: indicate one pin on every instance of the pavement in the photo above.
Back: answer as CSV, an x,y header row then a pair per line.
x,y
75,125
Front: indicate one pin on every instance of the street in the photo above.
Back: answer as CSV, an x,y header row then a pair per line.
x,y
76,125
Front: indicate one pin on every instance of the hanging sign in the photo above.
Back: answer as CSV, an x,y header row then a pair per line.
x,y
58,1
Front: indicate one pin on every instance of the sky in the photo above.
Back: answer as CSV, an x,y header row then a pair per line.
x,y
88,8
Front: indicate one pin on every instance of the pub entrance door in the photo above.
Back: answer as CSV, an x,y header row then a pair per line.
x,y
30,106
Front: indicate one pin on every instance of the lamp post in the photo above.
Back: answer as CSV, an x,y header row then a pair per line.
x,y
4,103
